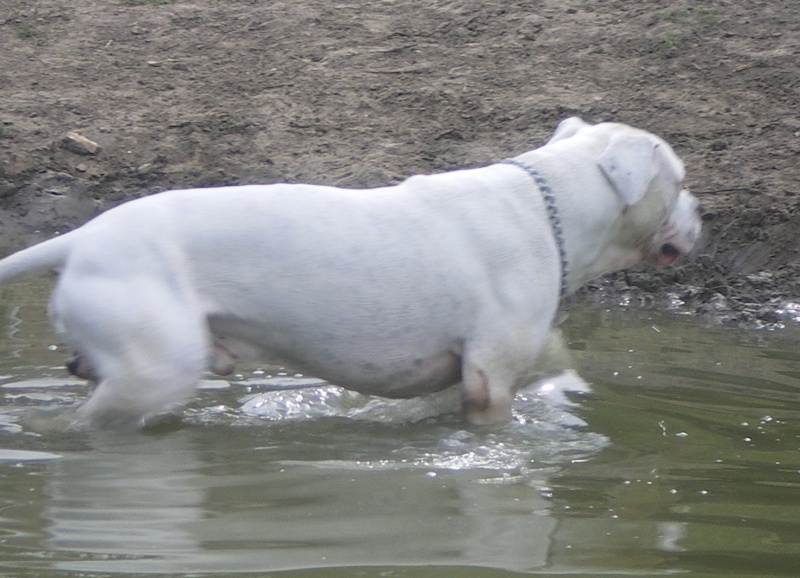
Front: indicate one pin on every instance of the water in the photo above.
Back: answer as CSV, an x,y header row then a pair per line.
x,y
683,459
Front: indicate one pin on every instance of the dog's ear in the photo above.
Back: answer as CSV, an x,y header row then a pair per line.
x,y
671,162
628,162
567,128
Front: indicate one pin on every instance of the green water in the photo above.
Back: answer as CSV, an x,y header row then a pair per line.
x,y
684,459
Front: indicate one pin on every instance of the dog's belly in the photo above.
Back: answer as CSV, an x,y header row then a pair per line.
x,y
389,368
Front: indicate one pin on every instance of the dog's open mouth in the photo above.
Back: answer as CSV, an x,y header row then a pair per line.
x,y
667,254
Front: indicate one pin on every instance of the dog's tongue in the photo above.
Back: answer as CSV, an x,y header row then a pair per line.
x,y
664,260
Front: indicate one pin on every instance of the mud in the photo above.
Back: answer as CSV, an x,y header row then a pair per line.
x,y
180,93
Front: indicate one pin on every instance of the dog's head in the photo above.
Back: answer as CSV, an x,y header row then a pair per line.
x,y
658,220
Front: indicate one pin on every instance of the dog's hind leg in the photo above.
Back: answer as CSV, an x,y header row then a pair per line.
x,y
146,342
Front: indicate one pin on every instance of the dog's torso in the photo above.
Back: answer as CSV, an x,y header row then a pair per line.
x,y
381,287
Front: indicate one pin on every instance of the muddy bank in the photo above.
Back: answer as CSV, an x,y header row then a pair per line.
x,y
179,93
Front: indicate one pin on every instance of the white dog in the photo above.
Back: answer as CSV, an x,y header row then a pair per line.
x,y
396,291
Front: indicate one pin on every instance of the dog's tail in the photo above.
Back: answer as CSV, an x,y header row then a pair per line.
x,y
50,254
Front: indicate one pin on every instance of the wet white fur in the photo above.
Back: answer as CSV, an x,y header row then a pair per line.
x,y
395,291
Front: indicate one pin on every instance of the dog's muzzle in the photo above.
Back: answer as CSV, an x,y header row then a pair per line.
x,y
679,234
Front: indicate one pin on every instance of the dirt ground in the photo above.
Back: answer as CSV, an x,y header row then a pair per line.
x,y
181,93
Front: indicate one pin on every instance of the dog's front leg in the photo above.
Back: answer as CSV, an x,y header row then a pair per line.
x,y
494,366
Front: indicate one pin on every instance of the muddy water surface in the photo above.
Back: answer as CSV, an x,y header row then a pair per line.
x,y
684,458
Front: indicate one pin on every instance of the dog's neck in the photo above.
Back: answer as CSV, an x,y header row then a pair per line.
x,y
553,216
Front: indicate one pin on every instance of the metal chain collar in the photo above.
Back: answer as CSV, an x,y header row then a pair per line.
x,y
552,214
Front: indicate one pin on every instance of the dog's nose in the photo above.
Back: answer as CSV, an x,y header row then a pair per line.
x,y
670,250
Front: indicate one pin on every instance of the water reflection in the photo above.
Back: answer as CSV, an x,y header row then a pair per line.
x,y
301,494
126,500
